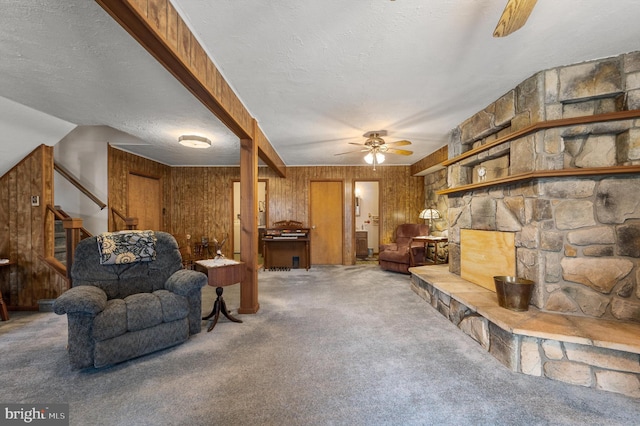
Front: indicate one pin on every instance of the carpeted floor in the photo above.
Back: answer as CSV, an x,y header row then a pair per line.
x,y
332,345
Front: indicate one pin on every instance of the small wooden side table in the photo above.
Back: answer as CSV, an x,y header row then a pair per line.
x,y
4,312
221,273
426,240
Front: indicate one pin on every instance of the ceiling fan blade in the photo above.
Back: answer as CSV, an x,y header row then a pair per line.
x,y
398,143
351,152
514,16
354,143
399,151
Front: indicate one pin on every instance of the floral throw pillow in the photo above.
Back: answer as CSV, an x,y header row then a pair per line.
x,y
126,247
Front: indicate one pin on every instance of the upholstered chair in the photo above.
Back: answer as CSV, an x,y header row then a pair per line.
x,y
398,255
116,312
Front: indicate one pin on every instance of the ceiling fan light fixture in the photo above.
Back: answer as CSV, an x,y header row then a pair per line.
x,y
193,141
369,158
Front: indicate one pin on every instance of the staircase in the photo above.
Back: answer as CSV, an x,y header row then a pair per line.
x,y
60,242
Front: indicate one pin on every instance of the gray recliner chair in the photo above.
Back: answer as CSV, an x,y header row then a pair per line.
x,y
116,312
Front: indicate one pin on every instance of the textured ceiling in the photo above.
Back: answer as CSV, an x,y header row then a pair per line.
x,y
315,74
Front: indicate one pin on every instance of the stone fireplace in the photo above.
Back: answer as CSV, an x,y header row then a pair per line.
x,y
555,163
577,231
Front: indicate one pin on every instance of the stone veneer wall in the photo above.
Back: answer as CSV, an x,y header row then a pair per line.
x,y
433,182
577,237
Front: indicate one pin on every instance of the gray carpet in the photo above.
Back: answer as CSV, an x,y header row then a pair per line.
x,y
329,346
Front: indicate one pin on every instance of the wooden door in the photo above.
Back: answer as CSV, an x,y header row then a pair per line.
x,y
144,201
326,207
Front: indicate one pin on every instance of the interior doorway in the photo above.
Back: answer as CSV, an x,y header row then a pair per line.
x,y
367,220
263,216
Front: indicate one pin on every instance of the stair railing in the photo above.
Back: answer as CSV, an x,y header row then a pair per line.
x,y
129,222
68,176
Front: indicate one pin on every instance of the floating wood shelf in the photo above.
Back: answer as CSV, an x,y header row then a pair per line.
x,y
563,122
592,171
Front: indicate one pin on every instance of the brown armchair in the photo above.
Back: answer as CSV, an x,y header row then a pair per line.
x,y
396,256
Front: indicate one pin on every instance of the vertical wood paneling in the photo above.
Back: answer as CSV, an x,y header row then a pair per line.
x,y
120,164
14,231
23,189
199,199
401,195
23,232
4,221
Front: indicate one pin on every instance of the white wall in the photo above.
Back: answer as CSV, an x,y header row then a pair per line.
x,y
24,129
83,153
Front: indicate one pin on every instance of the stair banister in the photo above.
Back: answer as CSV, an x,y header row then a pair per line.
x,y
68,176
130,222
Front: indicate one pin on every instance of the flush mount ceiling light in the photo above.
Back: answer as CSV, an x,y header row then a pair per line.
x,y
193,141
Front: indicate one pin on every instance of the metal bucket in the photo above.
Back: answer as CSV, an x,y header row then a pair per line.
x,y
513,293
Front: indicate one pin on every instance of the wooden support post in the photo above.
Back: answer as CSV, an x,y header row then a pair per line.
x,y
249,226
73,227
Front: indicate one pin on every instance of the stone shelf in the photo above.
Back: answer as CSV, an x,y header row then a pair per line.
x,y
592,171
584,351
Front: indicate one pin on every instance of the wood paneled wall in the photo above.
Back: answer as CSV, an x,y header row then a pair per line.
x,y
199,200
23,232
401,197
202,203
120,164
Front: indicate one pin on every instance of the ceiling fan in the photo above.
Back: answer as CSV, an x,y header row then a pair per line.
x,y
514,16
376,147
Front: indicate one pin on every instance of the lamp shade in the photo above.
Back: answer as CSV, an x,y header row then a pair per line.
x,y
193,141
429,214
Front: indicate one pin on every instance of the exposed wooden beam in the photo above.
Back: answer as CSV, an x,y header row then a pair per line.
x,y
156,25
268,154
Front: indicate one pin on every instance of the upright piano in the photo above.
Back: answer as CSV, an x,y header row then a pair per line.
x,y
286,248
